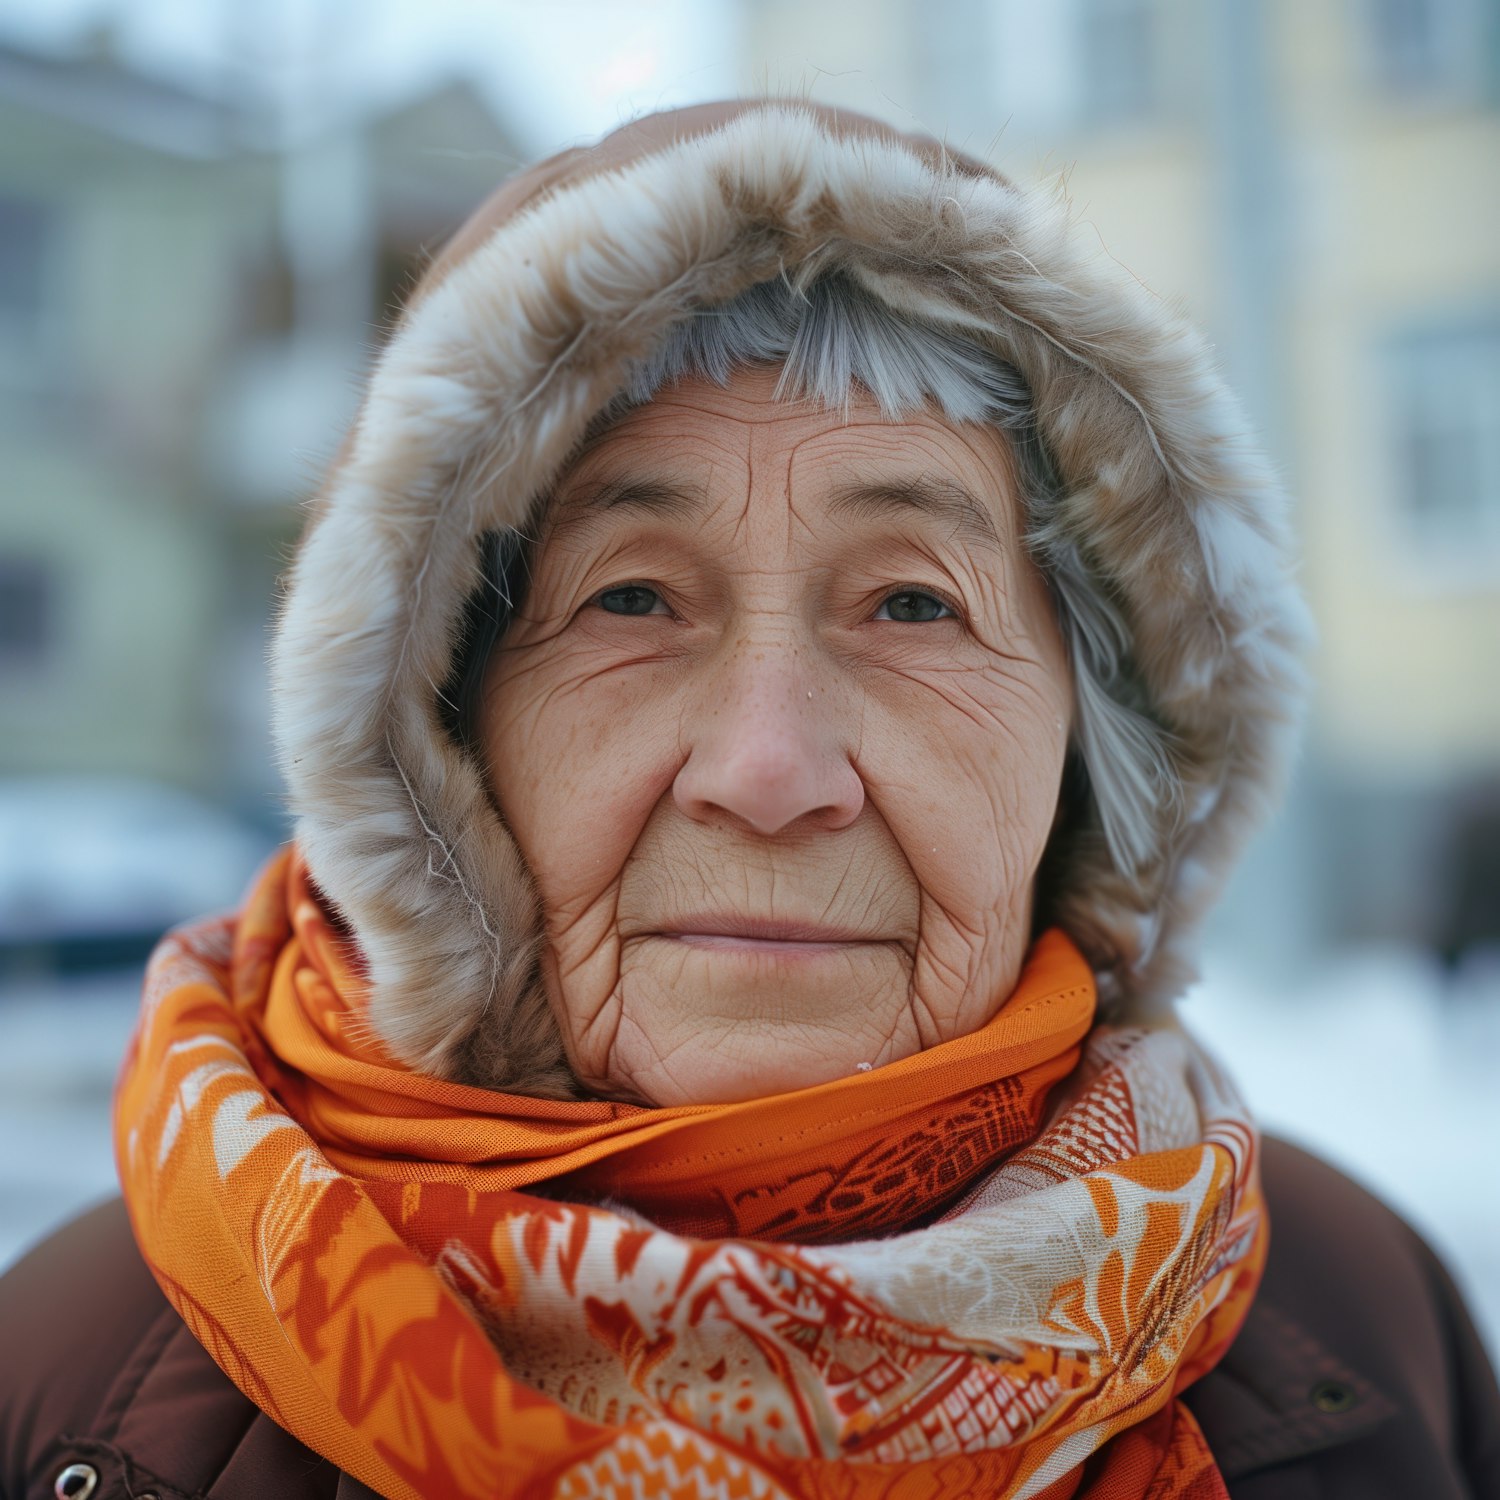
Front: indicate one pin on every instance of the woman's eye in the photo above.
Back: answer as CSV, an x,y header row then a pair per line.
x,y
912,606
631,599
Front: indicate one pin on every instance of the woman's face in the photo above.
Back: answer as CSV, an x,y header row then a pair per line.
x,y
779,729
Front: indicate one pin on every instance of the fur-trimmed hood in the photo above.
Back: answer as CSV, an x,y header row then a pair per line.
x,y
522,331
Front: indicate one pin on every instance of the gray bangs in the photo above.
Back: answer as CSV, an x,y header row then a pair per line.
x,y
832,338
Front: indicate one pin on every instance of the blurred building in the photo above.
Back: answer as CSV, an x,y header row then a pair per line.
x,y
1315,185
126,221
191,285
188,297
192,280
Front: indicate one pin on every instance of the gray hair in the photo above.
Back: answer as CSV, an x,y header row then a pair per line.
x,y
830,337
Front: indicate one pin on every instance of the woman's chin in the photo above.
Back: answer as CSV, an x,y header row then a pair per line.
x,y
729,1022
707,1071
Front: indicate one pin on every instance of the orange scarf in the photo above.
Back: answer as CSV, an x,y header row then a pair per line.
x,y
709,1300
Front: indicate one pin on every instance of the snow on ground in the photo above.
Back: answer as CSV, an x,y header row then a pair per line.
x,y
1373,1061
60,1046
1381,1066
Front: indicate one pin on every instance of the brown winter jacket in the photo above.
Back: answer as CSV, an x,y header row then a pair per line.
x,y
1357,1377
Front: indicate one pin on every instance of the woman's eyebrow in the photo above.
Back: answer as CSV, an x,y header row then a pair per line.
x,y
656,497
942,499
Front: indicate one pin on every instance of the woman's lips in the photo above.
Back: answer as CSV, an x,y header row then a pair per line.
x,y
728,942
754,935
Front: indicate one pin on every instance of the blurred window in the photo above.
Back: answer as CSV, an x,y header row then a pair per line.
x,y
1061,66
26,612
1435,48
1116,60
959,55
26,232
1446,398
1026,57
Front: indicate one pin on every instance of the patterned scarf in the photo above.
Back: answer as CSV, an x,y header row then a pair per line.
x,y
986,1270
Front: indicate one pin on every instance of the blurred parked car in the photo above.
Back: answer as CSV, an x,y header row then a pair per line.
x,y
94,869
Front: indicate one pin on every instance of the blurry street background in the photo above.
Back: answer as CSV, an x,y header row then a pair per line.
x,y
210,209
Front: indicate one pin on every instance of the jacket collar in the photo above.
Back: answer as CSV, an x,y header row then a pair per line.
x,y
1279,1395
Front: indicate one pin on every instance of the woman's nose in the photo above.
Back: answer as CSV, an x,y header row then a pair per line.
x,y
766,750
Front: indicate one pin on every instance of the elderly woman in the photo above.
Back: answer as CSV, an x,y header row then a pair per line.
x,y
781,666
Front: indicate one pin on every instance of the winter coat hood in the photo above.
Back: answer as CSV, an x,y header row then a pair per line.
x,y
524,328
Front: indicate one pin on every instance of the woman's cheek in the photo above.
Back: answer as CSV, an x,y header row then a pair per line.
x,y
939,804
966,776
598,749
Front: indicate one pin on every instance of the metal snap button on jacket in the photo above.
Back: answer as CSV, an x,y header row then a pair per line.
x,y
1334,1396
76,1482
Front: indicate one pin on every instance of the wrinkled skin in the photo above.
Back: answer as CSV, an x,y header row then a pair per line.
x,y
783,767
